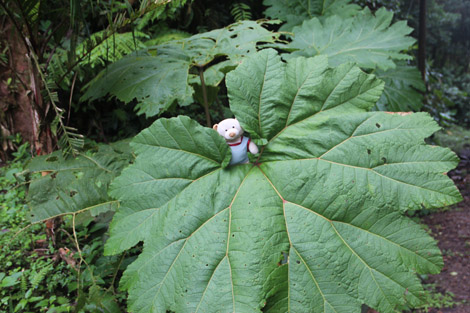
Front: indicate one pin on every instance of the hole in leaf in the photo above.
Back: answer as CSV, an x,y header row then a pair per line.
x,y
73,193
377,125
368,151
234,36
53,175
52,159
298,262
384,160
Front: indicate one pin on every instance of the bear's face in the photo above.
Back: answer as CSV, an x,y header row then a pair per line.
x,y
229,128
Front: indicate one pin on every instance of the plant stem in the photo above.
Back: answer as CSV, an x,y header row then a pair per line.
x,y
204,96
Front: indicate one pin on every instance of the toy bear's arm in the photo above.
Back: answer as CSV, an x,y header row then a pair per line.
x,y
253,148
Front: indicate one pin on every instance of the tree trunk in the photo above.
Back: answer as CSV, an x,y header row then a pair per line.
x,y
20,98
422,39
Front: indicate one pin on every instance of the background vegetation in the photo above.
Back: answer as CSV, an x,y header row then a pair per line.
x,y
57,61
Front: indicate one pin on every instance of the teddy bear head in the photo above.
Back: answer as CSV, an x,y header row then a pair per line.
x,y
229,128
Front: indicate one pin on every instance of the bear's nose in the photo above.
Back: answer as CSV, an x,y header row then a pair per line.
x,y
232,134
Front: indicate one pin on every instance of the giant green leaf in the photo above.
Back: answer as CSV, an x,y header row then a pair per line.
x,y
75,184
295,12
403,89
161,75
369,41
327,194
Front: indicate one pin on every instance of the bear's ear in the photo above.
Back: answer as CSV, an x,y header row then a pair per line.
x,y
215,126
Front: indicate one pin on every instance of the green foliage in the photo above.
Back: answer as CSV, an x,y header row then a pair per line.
x,y
326,194
447,99
403,89
75,184
164,74
455,137
369,41
240,11
110,49
29,281
47,273
164,10
372,42
297,11
437,300
165,34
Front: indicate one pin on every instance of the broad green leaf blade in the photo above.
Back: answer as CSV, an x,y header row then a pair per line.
x,y
230,257
295,12
316,225
235,41
338,262
155,81
259,89
367,40
248,92
200,151
403,89
382,153
159,76
75,184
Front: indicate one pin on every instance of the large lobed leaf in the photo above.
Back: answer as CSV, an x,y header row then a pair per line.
x,y
160,75
403,91
372,42
295,12
327,192
78,184
369,41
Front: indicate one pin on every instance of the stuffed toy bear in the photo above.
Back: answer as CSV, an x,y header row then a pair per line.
x,y
232,132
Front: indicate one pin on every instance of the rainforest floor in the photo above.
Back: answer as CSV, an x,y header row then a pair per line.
x,y
451,228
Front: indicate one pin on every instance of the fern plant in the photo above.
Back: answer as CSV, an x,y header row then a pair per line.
x,y
111,48
240,11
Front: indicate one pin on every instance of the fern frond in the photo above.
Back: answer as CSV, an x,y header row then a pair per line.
x,y
241,11
69,140
30,10
163,9
24,283
103,48
38,277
